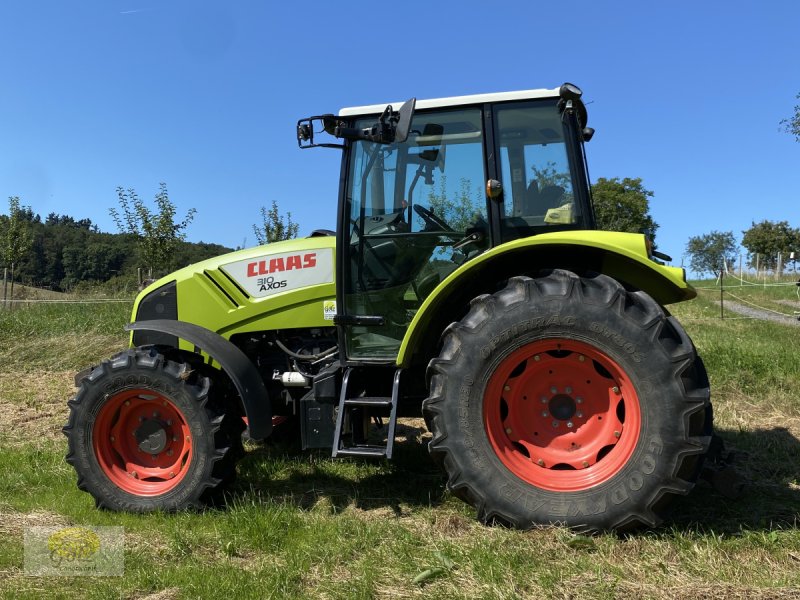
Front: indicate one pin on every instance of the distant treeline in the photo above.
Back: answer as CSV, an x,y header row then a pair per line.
x,y
67,251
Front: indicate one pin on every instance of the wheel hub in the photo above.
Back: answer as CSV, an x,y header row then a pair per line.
x,y
151,436
562,407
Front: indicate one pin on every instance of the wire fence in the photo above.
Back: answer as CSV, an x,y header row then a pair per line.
x,y
750,300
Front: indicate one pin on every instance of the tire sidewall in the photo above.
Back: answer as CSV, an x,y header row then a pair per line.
x,y
641,358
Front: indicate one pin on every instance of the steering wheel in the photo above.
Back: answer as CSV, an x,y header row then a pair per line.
x,y
437,223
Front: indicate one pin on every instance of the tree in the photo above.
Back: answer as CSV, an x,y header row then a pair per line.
x,y
766,239
623,205
156,232
16,236
273,227
792,124
459,209
711,251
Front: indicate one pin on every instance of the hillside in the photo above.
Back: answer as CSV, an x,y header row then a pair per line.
x,y
68,251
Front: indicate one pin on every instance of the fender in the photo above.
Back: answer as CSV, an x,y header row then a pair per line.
x,y
233,361
622,256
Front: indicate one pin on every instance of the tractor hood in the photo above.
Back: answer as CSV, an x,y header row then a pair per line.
x,y
281,285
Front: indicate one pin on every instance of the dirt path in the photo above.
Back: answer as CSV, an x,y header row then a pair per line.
x,y
757,313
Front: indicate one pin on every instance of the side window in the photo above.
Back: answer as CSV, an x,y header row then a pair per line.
x,y
537,185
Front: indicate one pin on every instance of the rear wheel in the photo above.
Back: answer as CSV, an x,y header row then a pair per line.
x,y
144,434
567,399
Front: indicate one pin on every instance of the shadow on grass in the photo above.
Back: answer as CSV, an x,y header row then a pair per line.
x,y
281,472
765,461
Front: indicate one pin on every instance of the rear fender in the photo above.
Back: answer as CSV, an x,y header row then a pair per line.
x,y
622,256
233,361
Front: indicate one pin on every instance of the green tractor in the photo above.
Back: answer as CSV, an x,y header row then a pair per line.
x,y
466,283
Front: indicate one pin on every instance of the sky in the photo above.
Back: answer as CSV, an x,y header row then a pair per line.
x,y
205,96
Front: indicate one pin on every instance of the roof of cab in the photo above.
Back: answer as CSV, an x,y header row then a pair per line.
x,y
455,101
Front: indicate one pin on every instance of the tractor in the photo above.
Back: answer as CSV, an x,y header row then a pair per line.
x,y
466,283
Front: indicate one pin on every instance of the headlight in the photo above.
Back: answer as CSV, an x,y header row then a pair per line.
x,y
158,304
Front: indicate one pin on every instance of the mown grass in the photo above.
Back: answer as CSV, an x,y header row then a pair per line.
x,y
300,525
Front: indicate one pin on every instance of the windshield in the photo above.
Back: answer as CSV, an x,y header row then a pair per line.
x,y
411,206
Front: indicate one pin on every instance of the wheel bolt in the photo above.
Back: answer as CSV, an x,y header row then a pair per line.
x,y
540,462
537,358
579,414
544,399
544,413
141,419
127,402
134,474
169,452
171,474
188,439
616,434
174,438
154,456
615,389
164,403
554,390
113,439
579,400
169,422
155,415
581,358
555,423
508,430
568,390
569,424
585,465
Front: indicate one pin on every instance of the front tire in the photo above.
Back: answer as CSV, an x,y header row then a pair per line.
x,y
144,434
567,399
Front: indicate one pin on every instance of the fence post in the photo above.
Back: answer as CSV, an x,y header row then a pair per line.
x,y
721,293
779,270
5,285
741,273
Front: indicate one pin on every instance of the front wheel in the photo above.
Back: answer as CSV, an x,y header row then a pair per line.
x,y
144,434
567,399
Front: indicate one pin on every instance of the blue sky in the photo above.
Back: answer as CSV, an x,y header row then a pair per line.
x,y
205,96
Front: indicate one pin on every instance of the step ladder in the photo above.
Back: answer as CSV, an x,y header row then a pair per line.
x,y
346,405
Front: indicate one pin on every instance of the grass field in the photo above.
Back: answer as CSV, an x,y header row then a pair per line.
x,y
300,525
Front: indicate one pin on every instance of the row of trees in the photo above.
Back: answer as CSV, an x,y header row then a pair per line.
x,y
60,251
765,242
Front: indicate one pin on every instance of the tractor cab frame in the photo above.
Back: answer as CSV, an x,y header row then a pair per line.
x,y
427,188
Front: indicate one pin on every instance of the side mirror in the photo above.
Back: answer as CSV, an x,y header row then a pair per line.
x,y
403,126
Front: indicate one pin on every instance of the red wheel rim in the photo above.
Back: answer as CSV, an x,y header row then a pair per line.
x,y
142,442
561,415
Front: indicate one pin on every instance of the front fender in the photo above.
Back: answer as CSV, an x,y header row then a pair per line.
x,y
622,256
233,361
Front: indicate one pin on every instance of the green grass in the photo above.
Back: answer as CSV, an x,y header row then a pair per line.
x,y
777,295
55,337
300,525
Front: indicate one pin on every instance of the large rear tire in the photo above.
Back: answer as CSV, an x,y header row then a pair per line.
x,y
567,399
145,434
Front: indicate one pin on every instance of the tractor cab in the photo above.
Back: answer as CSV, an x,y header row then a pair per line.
x,y
436,183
